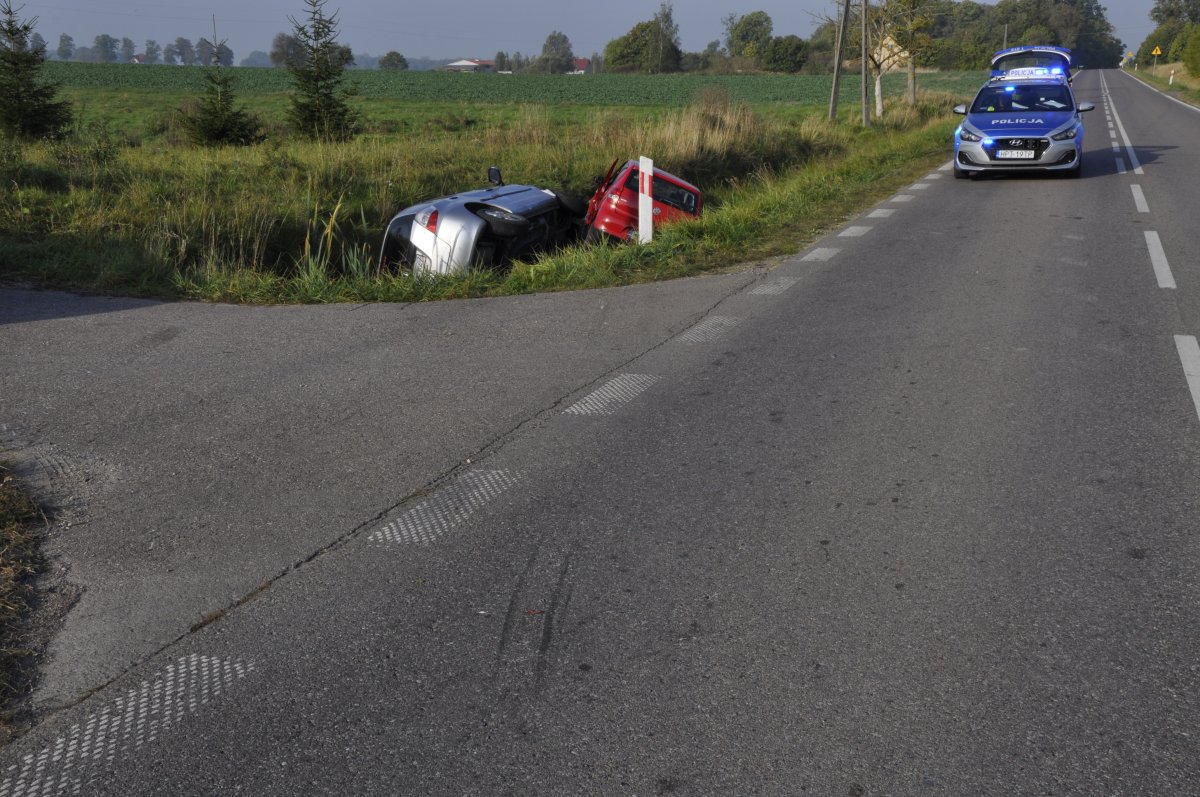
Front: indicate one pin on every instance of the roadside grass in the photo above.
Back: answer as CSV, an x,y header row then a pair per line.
x,y
763,215
1185,86
137,212
19,562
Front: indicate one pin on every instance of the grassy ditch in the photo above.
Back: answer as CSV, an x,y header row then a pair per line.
x,y
19,562
298,222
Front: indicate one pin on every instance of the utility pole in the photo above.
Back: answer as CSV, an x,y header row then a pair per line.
x,y
838,54
866,107
1005,47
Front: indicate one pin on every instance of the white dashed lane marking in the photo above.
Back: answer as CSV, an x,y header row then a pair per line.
x,y
918,186
1133,160
881,213
1158,258
774,287
854,232
710,329
820,254
447,509
1139,199
1121,166
89,749
1189,355
617,392
902,198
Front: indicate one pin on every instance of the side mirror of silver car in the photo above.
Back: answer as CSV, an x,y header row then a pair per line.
x,y
494,176
1086,106
960,109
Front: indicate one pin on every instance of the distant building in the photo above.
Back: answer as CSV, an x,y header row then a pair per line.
x,y
891,55
470,65
582,66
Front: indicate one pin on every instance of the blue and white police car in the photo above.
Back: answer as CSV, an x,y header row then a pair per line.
x,y
1024,120
1056,59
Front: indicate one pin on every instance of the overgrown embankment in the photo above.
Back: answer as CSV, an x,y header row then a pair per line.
x,y
301,222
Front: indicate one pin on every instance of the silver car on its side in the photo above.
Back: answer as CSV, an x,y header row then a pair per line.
x,y
485,228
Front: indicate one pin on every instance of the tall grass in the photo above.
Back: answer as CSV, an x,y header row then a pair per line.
x,y
302,221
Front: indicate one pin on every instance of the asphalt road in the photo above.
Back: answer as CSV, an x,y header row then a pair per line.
x,y
912,513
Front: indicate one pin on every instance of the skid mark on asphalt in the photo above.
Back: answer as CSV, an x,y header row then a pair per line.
x,y
536,607
90,748
447,509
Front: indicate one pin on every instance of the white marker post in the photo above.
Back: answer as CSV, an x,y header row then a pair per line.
x,y
645,200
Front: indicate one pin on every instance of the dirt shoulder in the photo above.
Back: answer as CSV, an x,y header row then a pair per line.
x,y
21,525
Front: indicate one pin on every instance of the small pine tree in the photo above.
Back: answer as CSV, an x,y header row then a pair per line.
x,y
28,108
214,120
320,110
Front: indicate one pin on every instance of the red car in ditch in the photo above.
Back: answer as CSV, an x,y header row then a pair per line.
x,y
613,208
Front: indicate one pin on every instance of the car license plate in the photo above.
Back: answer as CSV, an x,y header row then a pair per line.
x,y
1019,154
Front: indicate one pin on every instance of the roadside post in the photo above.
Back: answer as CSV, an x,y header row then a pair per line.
x,y
645,200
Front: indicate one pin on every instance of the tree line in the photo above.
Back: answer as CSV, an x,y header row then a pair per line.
x,y
319,103
1177,34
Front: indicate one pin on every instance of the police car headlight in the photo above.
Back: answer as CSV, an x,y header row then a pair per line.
x,y
1066,135
967,135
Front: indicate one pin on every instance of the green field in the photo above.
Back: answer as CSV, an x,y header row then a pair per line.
x,y
127,205
409,86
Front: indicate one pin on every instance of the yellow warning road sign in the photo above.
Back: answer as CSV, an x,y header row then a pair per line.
x,y
1157,51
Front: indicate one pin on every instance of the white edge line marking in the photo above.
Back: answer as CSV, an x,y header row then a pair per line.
x,y
1139,199
1189,355
1158,257
947,167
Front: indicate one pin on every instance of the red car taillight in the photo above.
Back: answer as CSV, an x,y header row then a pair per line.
x,y
428,218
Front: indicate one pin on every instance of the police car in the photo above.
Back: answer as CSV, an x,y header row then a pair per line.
x,y
1055,59
1023,120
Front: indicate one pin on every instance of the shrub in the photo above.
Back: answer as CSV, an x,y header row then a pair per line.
x,y
1191,52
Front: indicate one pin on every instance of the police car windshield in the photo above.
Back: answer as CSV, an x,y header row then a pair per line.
x,y
1019,98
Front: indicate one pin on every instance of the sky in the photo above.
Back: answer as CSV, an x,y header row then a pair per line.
x,y
457,29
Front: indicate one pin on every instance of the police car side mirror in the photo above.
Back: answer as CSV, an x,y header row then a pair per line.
x,y
961,110
1086,106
